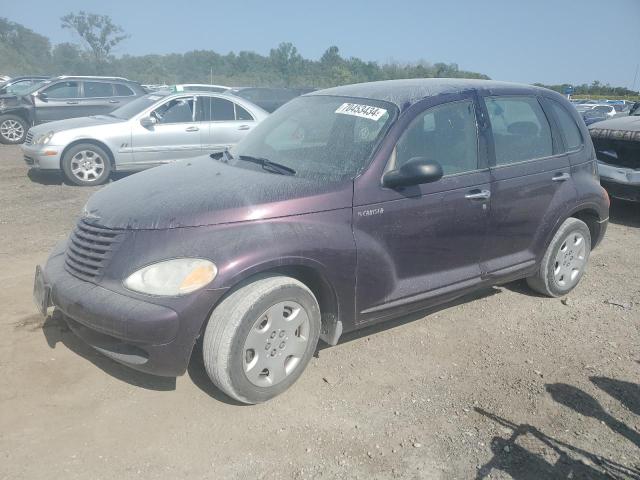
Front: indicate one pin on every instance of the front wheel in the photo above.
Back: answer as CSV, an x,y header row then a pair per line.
x,y
261,337
13,129
86,164
565,260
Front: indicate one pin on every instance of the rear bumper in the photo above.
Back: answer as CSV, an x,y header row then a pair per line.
x,y
40,157
146,336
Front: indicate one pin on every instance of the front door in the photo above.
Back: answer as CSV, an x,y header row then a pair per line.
x,y
59,101
176,134
418,244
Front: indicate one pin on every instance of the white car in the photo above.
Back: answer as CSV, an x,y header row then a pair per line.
x,y
157,128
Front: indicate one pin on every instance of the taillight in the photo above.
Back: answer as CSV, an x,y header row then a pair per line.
x,y
607,198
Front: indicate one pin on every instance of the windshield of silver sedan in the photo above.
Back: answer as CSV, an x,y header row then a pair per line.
x,y
319,136
138,105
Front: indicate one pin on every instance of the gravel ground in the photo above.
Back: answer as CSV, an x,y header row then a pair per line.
x,y
503,384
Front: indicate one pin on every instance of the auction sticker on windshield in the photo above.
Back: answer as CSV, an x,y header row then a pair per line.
x,y
363,111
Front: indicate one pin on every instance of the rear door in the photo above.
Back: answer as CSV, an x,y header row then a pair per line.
x,y
530,183
176,134
60,100
229,123
419,243
98,98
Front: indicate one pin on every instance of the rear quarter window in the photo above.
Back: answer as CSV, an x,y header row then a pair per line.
x,y
568,128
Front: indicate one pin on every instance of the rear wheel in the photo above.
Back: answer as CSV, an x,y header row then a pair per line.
x,y
86,164
565,260
13,129
261,337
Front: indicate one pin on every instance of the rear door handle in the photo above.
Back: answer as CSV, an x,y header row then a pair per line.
x,y
244,127
478,195
114,101
192,129
72,103
561,177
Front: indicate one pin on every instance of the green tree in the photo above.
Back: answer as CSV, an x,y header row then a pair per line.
x,y
98,31
286,61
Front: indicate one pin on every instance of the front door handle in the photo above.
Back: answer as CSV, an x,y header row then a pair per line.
x,y
561,177
478,195
192,129
244,127
72,103
114,101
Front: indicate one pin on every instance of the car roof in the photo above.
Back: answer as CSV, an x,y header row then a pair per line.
x,y
89,77
404,93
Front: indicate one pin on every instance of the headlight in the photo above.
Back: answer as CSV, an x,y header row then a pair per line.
x,y
172,277
44,139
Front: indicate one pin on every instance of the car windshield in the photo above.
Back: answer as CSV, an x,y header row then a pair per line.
x,y
136,106
25,87
320,137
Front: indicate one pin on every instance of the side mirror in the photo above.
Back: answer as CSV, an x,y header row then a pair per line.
x,y
148,122
416,171
43,96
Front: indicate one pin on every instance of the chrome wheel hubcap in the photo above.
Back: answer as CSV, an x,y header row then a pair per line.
x,y
276,344
87,166
11,130
570,260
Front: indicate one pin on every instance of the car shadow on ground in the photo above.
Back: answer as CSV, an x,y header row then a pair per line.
x,y
398,322
56,331
56,177
624,213
557,460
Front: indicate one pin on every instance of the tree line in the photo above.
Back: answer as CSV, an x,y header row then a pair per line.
x,y
23,51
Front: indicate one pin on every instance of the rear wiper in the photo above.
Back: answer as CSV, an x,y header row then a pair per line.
x,y
268,165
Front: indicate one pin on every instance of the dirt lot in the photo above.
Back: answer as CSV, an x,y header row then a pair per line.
x,y
505,384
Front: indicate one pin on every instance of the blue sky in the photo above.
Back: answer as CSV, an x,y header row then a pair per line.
x,y
549,41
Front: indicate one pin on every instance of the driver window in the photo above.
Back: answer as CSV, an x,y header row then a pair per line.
x,y
446,134
63,90
178,110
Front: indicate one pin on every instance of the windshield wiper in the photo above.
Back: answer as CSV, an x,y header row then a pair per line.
x,y
267,164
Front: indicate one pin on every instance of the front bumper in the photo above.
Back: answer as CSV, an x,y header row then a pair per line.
x,y
620,182
146,336
42,157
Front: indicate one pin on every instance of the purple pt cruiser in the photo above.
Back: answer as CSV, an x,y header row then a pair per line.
x,y
346,207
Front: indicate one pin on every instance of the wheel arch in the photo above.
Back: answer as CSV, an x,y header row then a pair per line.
x,y
308,274
91,141
23,113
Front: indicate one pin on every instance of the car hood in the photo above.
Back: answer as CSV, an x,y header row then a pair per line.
x,y
73,123
204,191
628,123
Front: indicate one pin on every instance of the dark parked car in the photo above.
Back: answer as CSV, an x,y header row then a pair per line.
x,y
344,208
62,97
593,116
617,144
20,85
269,98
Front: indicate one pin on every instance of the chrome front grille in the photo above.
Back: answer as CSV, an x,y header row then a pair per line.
x,y
29,138
89,249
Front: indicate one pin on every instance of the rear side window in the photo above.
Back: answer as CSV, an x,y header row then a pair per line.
x,y
447,134
63,90
222,109
520,129
568,127
97,90
123,90
242,114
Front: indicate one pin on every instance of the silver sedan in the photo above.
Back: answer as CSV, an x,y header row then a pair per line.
x,y
158,128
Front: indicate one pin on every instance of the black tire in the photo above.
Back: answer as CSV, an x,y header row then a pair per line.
x,y
13,129
89,152
232,321
548,280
